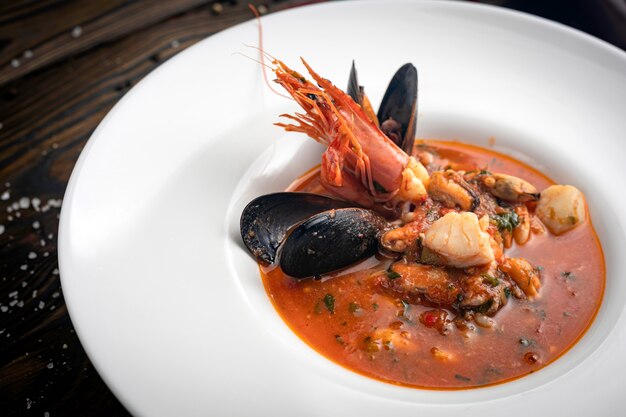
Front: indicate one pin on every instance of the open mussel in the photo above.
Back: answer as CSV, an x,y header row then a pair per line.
x,y
309,234
266,219
330,240
397,114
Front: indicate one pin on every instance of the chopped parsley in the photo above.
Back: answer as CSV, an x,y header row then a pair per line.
x,y
506,221
391,274
490,279
568,275
329,302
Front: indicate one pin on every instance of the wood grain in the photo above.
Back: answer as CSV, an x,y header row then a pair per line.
x,y
46,117
74,27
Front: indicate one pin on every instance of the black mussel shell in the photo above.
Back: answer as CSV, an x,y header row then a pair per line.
x,y
397,113
330,241
354,89
266,219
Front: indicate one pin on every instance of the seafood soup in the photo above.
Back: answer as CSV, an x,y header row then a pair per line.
x,y
427,264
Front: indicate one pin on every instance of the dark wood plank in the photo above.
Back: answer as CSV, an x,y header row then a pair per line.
x,y
46,117
40,39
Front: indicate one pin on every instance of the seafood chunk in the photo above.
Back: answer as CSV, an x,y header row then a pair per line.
x,y
449,188
525,276
561,208
414,181
510,188
483,291
389,338
431,281
460,239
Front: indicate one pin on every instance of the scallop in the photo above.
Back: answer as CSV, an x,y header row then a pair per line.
x,y
561,208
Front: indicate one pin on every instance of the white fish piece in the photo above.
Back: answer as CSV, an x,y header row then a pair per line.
x,y
460,239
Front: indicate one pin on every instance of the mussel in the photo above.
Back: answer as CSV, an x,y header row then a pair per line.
x,y
397,113
309,234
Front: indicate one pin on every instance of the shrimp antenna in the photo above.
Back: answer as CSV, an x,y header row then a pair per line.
x,y
262,54
265,64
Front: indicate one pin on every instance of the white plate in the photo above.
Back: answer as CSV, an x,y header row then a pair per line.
x,y
171,309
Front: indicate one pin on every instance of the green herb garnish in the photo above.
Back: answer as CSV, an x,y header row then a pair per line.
x,y
568,275
329,302
393,274
506,221
491,280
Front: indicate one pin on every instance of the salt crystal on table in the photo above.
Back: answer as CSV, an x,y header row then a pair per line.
x,y
34,293
32,255
50,365
2,228
41,305
28,54
5,195
24,202
13,294
77,31
24,267
35,202
36,224
15,63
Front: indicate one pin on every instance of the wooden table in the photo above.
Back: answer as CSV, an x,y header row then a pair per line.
x,y
63,65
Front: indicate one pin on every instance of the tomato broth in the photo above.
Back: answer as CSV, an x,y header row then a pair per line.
x,y
338,314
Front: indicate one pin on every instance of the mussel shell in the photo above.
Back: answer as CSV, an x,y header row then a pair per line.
x,y
330,241
400,104
266,219
354,90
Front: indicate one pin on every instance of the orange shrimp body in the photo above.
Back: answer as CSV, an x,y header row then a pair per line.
x,y
360,164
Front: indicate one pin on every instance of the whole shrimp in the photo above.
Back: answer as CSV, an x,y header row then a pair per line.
x,y
361,164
